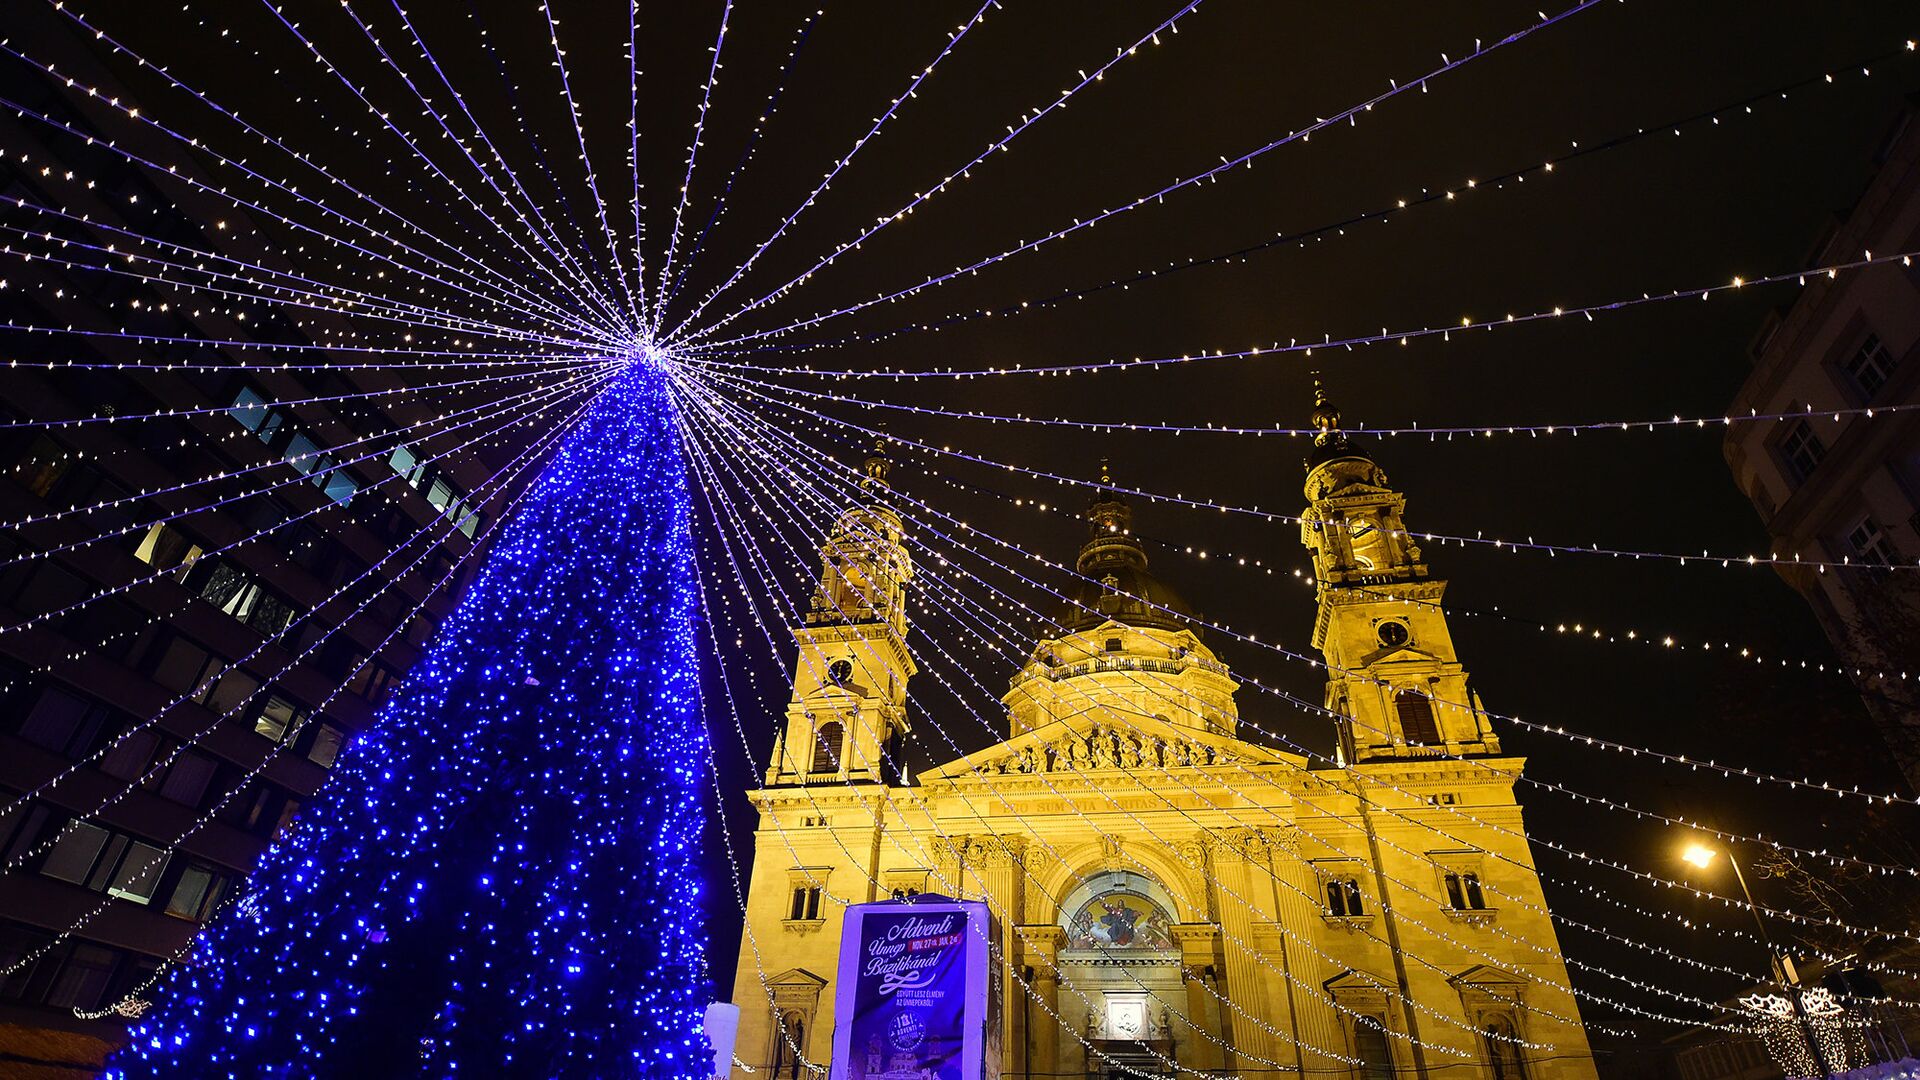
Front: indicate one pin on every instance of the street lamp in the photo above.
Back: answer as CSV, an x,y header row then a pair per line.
x,y
1700,855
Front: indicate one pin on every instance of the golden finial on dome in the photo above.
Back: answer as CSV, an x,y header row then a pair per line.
x,y
1325,415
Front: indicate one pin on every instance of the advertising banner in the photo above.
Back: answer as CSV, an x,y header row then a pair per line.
x,y
912,994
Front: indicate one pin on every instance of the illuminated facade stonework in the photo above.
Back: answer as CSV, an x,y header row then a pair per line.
x,y
1167,890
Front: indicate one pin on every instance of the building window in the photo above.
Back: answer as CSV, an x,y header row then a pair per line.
x,y
63,723
131,753
42,466
196,894
138,873
1869,542
1417,725
117,865
187,780
806,903
1343,897
240,594
20,829
1801,449
1113,644
1871,366
826,747
1463,891
278,717
326,746
252,412
164,547
181,665
75,852
1370,1047
83,977
404,462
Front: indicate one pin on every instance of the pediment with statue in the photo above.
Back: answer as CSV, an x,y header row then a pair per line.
x,y
1103,742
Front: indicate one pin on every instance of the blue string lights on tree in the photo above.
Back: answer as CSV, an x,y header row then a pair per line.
x,y
503,879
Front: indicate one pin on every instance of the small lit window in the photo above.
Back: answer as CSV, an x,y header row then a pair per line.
x,y
167,548
251,411
303,453
441,494
403,462
277,717
339,486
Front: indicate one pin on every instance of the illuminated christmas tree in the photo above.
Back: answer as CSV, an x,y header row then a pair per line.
x,y
501,880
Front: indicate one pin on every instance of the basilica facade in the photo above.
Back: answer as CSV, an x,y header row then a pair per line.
x,y
1175,892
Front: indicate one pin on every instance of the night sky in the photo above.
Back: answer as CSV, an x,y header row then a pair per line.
x,y
1748,196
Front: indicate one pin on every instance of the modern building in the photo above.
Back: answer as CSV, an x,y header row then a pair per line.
x,y
1833,483
1170,888
198,609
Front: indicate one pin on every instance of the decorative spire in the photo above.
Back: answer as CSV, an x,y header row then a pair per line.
x,y
1330,442
1326,415
878,467
1107,512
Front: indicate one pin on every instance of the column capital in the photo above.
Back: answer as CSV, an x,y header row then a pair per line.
x,y
1041,942
1199,942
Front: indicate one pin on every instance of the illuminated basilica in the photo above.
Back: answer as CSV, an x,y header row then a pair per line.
x,y
1170,892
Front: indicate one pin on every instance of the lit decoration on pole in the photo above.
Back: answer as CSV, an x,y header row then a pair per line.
x,y
517,839
1841,1037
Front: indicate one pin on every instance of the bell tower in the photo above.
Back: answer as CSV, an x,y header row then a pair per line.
x,y
1393,676
848,709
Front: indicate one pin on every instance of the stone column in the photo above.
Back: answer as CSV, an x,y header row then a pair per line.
x,y
1201,1047
1040,950
1255,981
993,865
1297,892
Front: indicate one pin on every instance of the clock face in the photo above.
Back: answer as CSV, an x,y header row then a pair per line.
x,y
840,671
1393,634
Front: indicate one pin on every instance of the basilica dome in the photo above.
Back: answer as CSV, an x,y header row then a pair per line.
x,y
1114,583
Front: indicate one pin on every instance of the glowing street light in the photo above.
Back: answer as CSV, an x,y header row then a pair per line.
x,y
1699,855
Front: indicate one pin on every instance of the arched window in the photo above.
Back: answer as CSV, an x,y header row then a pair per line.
x,y
1370,1046
1417,725
1343,897
826,747
1503,1050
